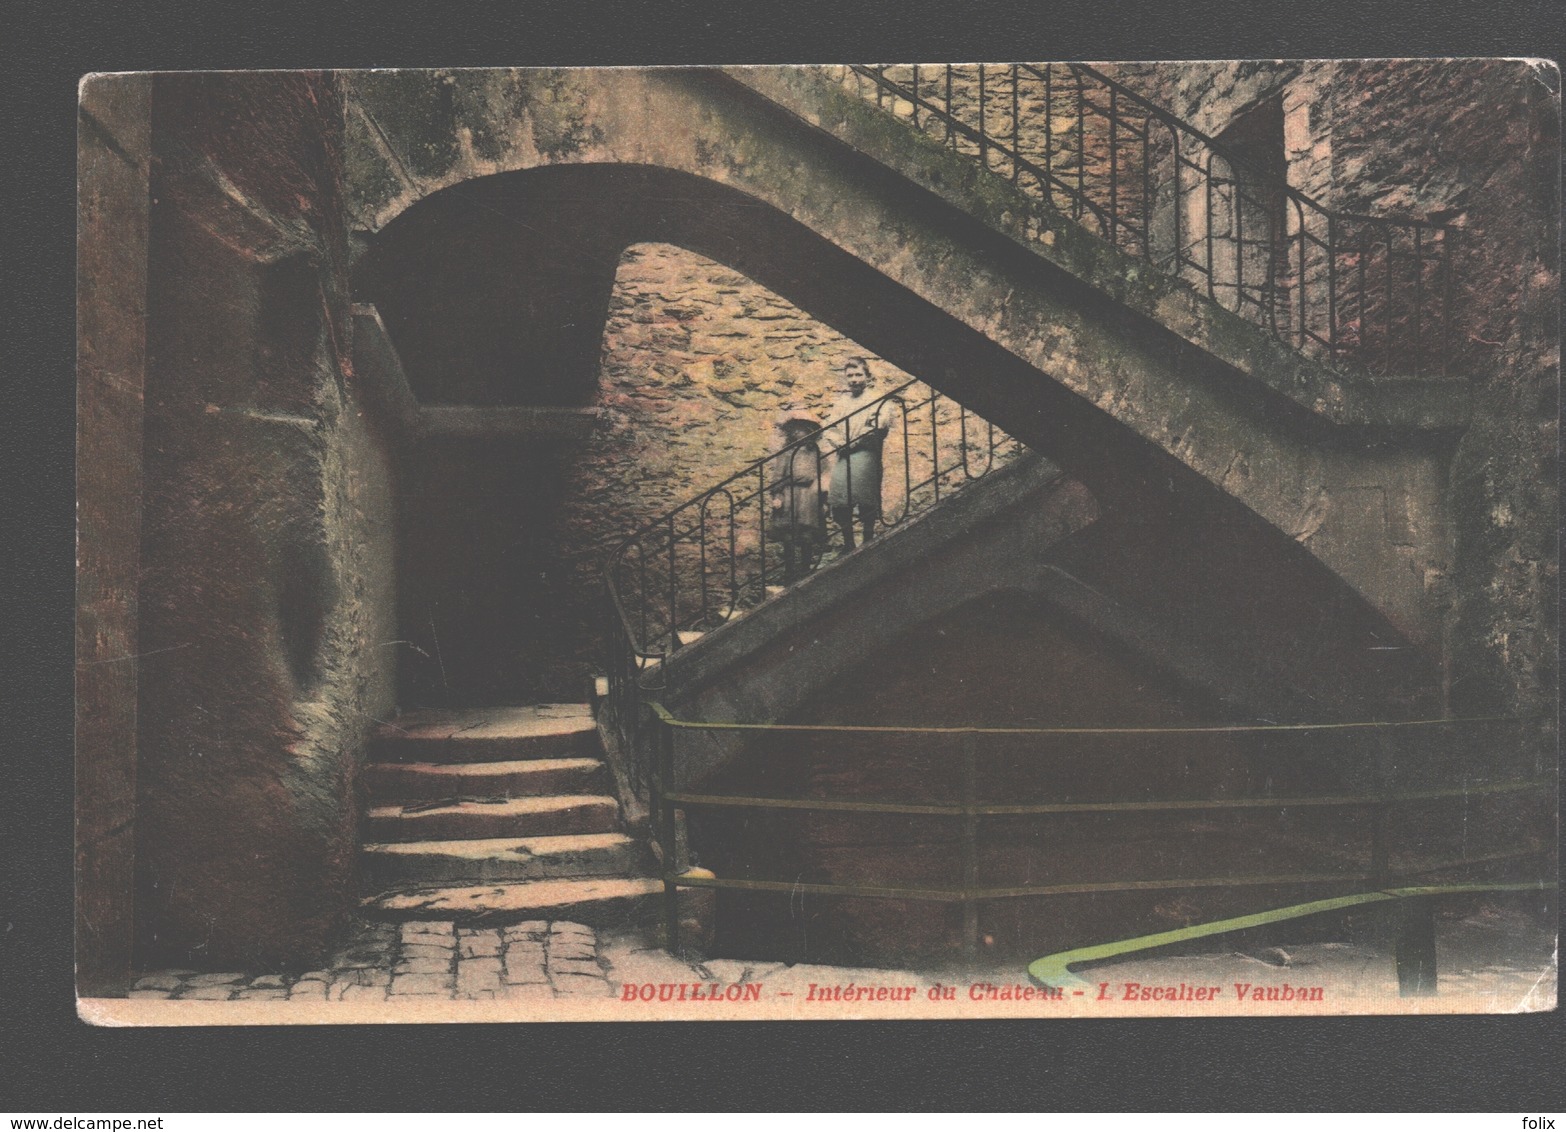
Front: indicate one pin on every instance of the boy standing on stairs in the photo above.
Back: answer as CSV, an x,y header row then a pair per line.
x,y
859,435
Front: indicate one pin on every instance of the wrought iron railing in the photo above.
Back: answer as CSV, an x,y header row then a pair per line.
x,y
747,539
1381,768
1349,290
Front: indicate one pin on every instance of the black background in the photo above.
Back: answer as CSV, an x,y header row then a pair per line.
x,y
52,1063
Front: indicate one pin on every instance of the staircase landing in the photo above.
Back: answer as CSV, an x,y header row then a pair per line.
x,y
542,731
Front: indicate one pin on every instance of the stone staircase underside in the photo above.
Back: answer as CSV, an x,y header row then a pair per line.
x,y
497,815
1006,536
1154,589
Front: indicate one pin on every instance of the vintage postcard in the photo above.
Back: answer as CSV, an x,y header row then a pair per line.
x,y
866,541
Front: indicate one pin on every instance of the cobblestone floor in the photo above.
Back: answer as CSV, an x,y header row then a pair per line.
x,y
382,962
534,960
1494,961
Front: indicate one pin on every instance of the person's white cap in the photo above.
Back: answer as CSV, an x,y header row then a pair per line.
x,y
796,414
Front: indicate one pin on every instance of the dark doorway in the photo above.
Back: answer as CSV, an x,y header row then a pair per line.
x,y
1252,187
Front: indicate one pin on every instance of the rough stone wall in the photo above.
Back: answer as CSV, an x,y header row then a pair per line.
x,y
1482,140
1475,142
113,145
698,363
266,592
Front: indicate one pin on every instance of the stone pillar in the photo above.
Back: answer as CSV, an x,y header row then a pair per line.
x,y
266,593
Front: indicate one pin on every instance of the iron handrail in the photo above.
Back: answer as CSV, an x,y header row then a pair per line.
x,y
1173,805
635,629
654,626
1342,287
669,718
963,893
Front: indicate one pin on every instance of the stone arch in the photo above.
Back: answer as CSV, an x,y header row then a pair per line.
x,y
1193,457
1211,391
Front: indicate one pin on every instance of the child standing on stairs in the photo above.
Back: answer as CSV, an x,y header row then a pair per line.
x,y
797,519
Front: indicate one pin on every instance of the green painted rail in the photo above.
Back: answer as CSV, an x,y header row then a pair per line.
x,y
1415,941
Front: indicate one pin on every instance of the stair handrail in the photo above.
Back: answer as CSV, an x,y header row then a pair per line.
x,y
1344,288
651,644
637,634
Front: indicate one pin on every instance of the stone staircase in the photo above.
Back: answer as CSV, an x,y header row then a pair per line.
x,y
497,815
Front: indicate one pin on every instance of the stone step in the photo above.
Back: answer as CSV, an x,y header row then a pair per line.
x,y
551,816
518,778
599,902
393,863
542,731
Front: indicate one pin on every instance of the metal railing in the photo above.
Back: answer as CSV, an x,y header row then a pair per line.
x,y
1347,289
1391,765
767,526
